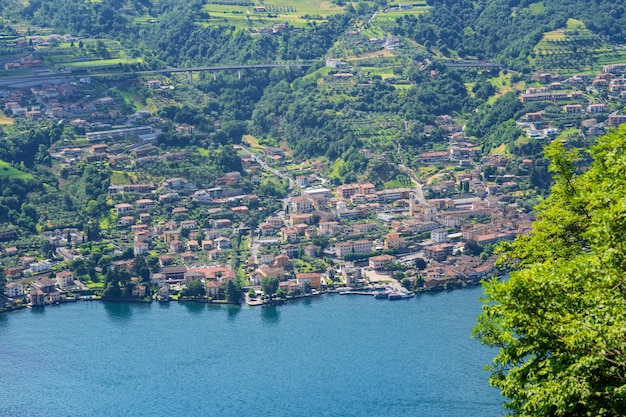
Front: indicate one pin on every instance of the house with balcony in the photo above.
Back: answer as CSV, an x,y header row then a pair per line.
x,y
65,279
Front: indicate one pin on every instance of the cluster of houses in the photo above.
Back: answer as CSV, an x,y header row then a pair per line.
x,y
43,290
277,28
120,153
176,277
27,62
72,100
400,223
373,227
595,116
37,40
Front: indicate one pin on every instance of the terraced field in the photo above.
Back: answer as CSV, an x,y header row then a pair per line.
x,y
248,14
574,49
388,17
95,53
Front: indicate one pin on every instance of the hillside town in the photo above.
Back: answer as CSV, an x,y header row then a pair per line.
x,y
422,233
320,237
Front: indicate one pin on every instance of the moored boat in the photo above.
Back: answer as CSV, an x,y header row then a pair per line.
x,y
382,294
400,295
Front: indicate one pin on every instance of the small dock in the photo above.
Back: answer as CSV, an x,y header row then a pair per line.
x,y
370,293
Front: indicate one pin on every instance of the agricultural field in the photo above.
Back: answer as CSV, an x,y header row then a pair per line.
x,y
134,99
401,181
252,142
383,64
386,19
574,49
120,178
379,131
247,14
94,53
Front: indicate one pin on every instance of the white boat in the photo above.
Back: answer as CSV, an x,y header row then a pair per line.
x,y
401,295
382,294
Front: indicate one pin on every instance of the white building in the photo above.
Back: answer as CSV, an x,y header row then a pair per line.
x,y
154,84
41,266
333,63
14,290
317,192
65,279
140,248
439,235
357,246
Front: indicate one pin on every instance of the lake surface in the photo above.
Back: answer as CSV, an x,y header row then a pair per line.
x,y
329,356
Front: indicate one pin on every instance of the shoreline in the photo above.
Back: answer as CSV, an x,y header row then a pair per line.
x,y
249,302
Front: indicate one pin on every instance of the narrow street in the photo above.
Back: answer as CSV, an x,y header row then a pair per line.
x,y
419,192
268,168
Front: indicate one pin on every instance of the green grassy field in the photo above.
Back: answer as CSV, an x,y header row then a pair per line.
x,y
131,97
383,66
503,85
537,8
203,152
315,74
119,178
105,62
333,170
392,15
311,7
575,24
94,53
385,20
7,171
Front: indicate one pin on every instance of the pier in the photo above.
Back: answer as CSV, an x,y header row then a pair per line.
x,y
370,293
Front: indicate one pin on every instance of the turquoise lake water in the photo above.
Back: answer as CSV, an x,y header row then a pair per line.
x,y
329,356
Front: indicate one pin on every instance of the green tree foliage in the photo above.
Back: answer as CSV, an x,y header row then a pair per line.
x,y
559,321
472,248
495,124
232,291
317,121
79,17
112,291
269,286
194,288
